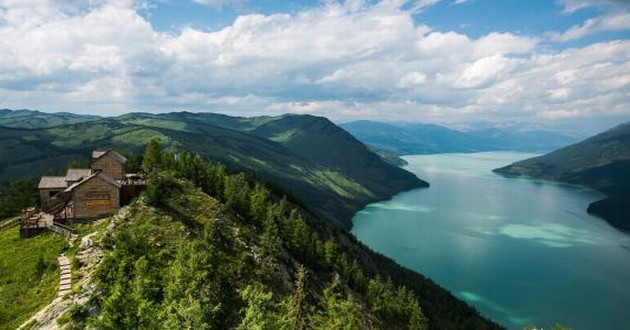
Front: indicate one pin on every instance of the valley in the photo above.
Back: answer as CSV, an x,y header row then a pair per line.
x,y
332,177
314,165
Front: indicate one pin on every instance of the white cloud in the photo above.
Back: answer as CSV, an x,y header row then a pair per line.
x,y
610,22
484,71
220,3
570,6
108,58
413,78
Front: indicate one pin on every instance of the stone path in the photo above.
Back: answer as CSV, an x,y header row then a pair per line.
x,y
65,280
45,317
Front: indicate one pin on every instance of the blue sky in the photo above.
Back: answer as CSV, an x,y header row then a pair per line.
x,y
443,61
474,18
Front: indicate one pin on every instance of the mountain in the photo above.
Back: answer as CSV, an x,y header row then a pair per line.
x,y
38,119
204,249
430,139
309,157
601,162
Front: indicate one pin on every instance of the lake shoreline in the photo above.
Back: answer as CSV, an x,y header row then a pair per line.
x,y
502,244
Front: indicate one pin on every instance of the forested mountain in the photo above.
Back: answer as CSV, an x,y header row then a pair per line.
x,y
601,162
38,119
430,139
204,249
309,157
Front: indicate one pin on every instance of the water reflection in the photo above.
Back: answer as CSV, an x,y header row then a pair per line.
x,y
548,234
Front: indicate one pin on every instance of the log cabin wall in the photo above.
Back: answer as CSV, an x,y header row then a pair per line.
x,y
110,166
45,195
95,198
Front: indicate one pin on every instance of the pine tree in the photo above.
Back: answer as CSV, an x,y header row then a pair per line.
x,y
297,308
261,312
337,312
152,157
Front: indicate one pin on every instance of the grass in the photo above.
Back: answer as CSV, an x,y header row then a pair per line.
x,y
29,275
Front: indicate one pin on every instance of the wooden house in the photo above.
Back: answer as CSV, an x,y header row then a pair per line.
x,y
49,186
109,162
95,196
93,192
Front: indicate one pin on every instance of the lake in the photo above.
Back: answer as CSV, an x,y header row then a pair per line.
x,y
522,251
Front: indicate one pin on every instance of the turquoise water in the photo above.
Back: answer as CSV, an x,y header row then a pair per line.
x,y
521,251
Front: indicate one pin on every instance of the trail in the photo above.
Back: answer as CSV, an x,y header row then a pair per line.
x,y
65,276
59,304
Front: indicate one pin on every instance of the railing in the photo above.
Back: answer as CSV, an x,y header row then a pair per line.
x,y
62,229
9,223
68,228
57,205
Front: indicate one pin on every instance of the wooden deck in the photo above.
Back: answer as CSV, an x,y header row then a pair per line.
x,y
38,220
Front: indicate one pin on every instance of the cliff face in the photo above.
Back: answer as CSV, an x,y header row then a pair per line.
x,y
601,162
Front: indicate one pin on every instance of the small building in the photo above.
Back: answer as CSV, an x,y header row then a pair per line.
x,y
49,186
109,162
95,196
75,175
90,192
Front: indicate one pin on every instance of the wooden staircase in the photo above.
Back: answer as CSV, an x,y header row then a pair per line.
x,y
58,206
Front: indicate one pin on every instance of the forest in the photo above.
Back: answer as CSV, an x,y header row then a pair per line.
x,y
243,258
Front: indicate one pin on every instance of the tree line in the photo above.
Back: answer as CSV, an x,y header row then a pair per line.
x,y
252,260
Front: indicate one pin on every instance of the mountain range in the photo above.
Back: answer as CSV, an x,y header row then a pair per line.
x,y
290,152
430,138
601,162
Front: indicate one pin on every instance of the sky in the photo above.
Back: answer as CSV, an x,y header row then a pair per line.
x,y
564,62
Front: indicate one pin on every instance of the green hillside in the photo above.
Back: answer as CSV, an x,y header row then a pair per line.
x,y
225,253
319,164
601,162
38,119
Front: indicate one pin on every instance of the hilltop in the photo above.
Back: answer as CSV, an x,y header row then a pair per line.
x,y
318,163
601,162
37,119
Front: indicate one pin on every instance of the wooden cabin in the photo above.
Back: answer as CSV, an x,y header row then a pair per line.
x,y
75,175
92,192
96,196
109,162
49,186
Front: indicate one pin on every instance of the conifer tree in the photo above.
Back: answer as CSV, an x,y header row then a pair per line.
x,y
297,310
152,156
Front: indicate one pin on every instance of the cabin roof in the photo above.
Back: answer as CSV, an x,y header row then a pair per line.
x,y
76,174
99,174
96,154
52,182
